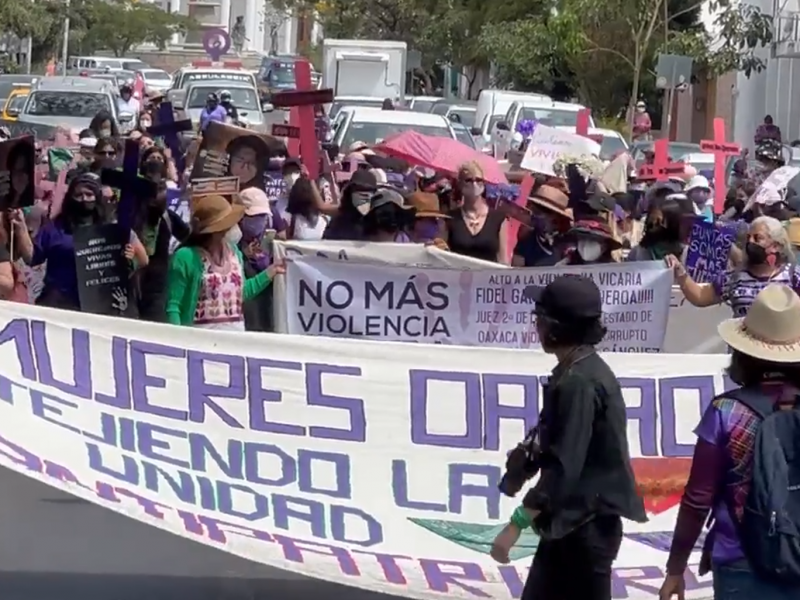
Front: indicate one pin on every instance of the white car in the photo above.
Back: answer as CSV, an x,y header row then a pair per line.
x,y
209,72
156,79
340,101
611,144
373,125
550,113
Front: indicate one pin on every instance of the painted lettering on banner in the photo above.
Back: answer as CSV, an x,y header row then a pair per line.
x,y
360,462
473,308
709,247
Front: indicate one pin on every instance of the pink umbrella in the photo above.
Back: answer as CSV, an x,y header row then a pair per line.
x,y
439,153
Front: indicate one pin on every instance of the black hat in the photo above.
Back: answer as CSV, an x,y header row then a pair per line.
x,y
364,179
566,298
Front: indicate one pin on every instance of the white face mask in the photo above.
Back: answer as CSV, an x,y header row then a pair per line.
x,y
590,250
233,235
640,109
105,133
472,190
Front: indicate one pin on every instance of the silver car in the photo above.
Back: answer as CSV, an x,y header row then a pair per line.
x,y
245,99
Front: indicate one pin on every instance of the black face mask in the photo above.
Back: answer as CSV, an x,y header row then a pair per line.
x,y
86,208
756,255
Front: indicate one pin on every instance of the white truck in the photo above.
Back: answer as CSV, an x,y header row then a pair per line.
x,y
365,68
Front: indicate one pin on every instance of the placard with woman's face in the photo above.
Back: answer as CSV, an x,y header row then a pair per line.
x,y
17,162
229,151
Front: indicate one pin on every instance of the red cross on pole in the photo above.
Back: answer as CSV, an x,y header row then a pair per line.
x,y
661,168
721,151
582,126
522,201
301,103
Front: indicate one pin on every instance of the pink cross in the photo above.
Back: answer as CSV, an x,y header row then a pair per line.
x,y
513,224
721,151
662,168
302,104
582,126
57,191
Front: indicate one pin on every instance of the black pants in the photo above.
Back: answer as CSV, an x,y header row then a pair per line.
x,y
577,566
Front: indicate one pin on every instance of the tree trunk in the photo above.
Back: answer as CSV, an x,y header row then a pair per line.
x,y
637,71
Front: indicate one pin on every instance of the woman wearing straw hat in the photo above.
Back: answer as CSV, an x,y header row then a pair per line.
x,y
729,461
593,242
206,284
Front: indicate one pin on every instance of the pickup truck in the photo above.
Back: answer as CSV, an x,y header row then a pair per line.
x,y
245,99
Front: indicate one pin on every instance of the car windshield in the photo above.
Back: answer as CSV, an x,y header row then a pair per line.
x,y
134,65
17,102
610,146
242,98
441,108
218,76
464,136
156,76
337,105
423,105
282,74
551,117
67,104
493,120
111,64
675,149
466,116
375,133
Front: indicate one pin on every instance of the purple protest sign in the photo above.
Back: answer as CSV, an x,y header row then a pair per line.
x,y
709,247
216,43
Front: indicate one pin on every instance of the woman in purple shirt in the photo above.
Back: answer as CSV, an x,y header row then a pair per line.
x,y
765,360
83,206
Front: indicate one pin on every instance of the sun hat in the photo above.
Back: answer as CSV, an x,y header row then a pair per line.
x,y
567,298
255,202
350,164
357,147
793,231
427,205
698,182
594,229
552,199
386,196
213,214
771,329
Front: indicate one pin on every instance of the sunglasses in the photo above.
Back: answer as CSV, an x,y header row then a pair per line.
x,y
472,180
107,152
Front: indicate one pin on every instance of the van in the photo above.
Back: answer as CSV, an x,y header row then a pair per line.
x,y
88,64
492,106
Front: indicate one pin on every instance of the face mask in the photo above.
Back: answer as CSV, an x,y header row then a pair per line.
x,y
233,235
699,196
756,254
361,201
86,208
105,132
145,124
290,180
472,190
590,250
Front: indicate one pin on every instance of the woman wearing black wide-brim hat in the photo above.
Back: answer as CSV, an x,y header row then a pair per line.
x,y
593,242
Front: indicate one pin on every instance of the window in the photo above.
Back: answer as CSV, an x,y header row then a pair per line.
x,y
336,106
440,108
281,74
610,146
375,133
552,117
466,116
509,118
464,136
16,103
67,104
423,105
243,98
156,76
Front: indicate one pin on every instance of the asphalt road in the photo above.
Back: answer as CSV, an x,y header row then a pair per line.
x,y
54,546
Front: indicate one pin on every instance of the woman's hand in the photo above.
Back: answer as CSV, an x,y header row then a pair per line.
x,y
673,585
278,268
502,544
676,265
17,219
128,252
304,171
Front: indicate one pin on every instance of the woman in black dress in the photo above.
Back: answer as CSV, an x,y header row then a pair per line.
x,y
475,229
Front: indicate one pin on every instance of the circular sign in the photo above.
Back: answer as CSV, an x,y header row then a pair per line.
x,y
216,42
661,83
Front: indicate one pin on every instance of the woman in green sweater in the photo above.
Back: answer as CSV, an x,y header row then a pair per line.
x,y
206,284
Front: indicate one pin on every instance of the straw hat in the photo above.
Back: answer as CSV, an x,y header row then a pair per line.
x,y
213,214
552,199
793,231
427,205
593,229
771,329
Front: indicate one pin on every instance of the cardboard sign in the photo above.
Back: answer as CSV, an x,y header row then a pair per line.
x,y
229,151
548,144
289,131
17,158
222,186
102,269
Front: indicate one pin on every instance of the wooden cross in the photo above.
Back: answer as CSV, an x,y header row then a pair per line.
x,y
582,126
662,168
721,151
131,186
522,201
167,127
302,104
57,191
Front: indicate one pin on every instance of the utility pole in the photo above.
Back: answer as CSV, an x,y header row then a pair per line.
x,y
65,49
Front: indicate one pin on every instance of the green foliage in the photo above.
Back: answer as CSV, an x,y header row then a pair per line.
x,y
118,25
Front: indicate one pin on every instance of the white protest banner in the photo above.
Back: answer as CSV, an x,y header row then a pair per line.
x,y
775,182
472,308
363,252
370,464
548,144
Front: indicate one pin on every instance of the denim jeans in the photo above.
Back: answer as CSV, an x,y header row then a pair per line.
x,y
736,581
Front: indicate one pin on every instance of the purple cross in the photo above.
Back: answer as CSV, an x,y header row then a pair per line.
x,y
169,128
130,184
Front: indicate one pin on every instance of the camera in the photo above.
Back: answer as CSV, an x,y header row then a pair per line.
x,y
522,464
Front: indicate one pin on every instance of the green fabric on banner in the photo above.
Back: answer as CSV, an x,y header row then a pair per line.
x,y
58,159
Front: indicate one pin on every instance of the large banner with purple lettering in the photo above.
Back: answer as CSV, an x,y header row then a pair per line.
x,y
485,307
366,463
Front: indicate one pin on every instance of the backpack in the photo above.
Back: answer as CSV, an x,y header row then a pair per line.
x,y
770,526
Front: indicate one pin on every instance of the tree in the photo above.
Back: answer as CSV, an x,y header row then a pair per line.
x,y
119,25
272,20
